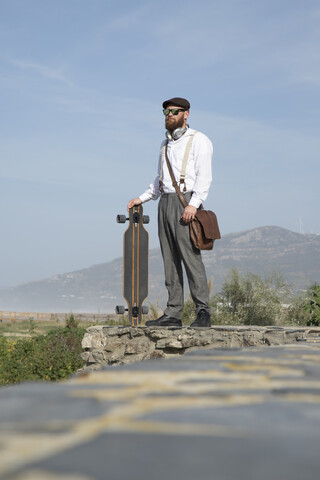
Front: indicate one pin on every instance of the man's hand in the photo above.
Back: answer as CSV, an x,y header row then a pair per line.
x,y
189,213
133,202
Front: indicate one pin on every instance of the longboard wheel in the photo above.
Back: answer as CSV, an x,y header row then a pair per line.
x,y
146,219
120,309
144,310
121,219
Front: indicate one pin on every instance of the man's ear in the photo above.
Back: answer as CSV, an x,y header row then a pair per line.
x,y
186,114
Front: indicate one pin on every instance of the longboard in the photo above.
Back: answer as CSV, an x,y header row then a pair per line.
x,y
135,265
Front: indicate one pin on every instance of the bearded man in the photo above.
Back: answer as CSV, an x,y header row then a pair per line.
x,y
190,155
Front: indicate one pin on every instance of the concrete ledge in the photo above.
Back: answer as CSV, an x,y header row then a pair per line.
x,y
105,345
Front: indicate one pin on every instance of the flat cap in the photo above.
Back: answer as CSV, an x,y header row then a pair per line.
x,y
177,102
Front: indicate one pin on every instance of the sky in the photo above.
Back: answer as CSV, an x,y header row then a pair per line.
x,y
81,89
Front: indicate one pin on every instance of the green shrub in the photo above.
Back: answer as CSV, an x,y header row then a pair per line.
x,y
71,322
249,300
45,357
312,305
296,313
154,311
16,360
188,312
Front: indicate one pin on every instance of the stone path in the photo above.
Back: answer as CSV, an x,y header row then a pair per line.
x,y
248,413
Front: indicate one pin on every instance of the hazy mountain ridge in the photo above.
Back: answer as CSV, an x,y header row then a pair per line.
x,y
99,288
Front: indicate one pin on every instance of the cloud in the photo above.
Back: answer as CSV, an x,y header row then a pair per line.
x,y
44,71
127,21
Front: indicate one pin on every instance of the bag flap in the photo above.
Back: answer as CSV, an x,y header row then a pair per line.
x,y
209,222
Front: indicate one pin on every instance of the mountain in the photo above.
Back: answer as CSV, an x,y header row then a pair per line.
x,y
99,288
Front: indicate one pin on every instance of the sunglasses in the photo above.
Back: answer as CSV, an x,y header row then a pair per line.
x,y
174,111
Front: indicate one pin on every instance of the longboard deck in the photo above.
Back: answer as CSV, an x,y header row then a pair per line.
x,y
135,265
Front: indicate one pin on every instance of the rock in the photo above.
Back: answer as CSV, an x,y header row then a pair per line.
x,y
274,337
170,342
93,340
117,355
253,338
139,345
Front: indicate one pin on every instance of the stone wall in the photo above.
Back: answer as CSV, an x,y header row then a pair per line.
x,y
105,345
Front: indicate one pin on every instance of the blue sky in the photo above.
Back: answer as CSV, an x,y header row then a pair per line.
x,y
81,88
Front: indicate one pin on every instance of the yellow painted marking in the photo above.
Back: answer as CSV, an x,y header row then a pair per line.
x,y
249,385
163,379
37,474
172,428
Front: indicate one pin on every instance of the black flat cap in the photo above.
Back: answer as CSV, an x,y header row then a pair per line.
x,y
177,102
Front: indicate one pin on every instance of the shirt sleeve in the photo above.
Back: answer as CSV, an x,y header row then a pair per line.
x,y
203,152
152,192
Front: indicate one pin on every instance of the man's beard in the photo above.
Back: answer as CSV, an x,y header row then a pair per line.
x,y
172,123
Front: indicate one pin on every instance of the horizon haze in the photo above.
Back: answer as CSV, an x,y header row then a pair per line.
x,y
261,251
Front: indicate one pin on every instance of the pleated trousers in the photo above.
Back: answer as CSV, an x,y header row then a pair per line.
x,y
177,250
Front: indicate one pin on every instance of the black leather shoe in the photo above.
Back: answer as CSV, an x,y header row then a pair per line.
x,y
202,320
164,321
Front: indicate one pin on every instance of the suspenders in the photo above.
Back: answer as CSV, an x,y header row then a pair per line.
x,y
184,164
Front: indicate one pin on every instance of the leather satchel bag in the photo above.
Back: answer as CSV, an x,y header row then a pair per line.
x,y
204,228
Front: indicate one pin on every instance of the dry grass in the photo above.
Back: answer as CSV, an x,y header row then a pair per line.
x,y
32,328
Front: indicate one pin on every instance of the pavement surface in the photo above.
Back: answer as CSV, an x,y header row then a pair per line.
x,y
227,414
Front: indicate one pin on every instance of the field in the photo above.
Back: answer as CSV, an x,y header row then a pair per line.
x,y
28,328
31,325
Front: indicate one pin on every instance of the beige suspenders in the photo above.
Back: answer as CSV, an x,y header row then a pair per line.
x,y
184,164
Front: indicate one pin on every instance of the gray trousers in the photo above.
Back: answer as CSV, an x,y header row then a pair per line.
x,y
177,249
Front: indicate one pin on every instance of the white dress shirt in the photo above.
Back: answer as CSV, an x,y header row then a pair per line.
x,y
198,173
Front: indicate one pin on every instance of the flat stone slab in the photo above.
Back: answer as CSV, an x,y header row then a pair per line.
x,y
105,345
245,413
